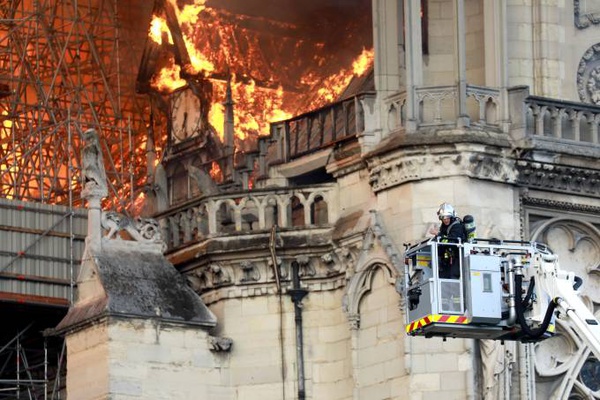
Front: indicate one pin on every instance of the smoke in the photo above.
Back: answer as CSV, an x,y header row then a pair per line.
x,y
319,38
293,11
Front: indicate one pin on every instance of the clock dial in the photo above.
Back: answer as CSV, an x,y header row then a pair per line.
x,y
185,115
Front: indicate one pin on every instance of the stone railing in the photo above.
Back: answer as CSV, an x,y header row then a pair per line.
x,y
529,116
396,111
249,212
437,107
562,119
313,131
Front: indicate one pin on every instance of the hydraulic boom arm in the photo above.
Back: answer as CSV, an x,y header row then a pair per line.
x,y
559,286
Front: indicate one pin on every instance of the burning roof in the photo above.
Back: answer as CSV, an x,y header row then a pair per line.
x,y
282,58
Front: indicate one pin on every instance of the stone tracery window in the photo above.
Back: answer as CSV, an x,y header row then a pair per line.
x,y
565,358
590,374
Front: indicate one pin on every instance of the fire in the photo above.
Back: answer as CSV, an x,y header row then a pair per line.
x,y
188,16
169,79
333,85
254,107
277,70
215,172
158,28
216,117
215,42
6,123
364,61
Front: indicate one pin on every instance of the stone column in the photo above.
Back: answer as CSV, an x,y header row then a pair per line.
x,y
463,116
413,62
229,135
388,42
496,58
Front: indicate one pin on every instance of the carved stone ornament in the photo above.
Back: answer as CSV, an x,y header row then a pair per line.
x,y
143,230
415,168
585,14
219,275
219,343
250,272
306,268
558,178
331,264
347,259
283,272
94,176
588,76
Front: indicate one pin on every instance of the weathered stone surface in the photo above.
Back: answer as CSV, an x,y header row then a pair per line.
x,y
142,285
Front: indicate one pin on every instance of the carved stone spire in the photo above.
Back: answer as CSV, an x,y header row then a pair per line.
x,y
228,125
228,133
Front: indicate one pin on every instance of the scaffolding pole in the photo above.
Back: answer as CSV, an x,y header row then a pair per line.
x,y
66,66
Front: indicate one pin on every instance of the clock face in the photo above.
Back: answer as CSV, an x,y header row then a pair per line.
x,y
185,115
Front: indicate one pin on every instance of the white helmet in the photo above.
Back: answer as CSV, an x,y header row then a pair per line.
x,y
446,211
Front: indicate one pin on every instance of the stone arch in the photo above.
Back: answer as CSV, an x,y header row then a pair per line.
x,y
249,210
586,120
577,244
361,284
491,108
376,323
270,205
297,211
224,215
201,221
319,213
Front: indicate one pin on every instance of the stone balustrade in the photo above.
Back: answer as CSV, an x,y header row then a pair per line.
x,y
309,132
562,120
530,116
437,107
526,116
249,212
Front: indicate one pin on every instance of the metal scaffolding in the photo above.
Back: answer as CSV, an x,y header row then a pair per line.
x,y
65,66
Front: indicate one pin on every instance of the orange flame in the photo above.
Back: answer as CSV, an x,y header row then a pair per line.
x,y
254,108
158,28
189,15
364,61
333,85
215,172
256,105
169,79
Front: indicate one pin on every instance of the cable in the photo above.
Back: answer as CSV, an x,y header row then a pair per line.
x,y
531,333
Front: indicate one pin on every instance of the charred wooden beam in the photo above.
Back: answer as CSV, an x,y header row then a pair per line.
x,y
154,52
151,54
4,91
148,65
182,57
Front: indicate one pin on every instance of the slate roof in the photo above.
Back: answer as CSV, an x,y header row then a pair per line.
x,y
139,285
358,85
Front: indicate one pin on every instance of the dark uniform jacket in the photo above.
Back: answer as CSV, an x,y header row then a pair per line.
x,y
449,263
455,230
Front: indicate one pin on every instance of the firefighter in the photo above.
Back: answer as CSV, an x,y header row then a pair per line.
x,y
451,230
